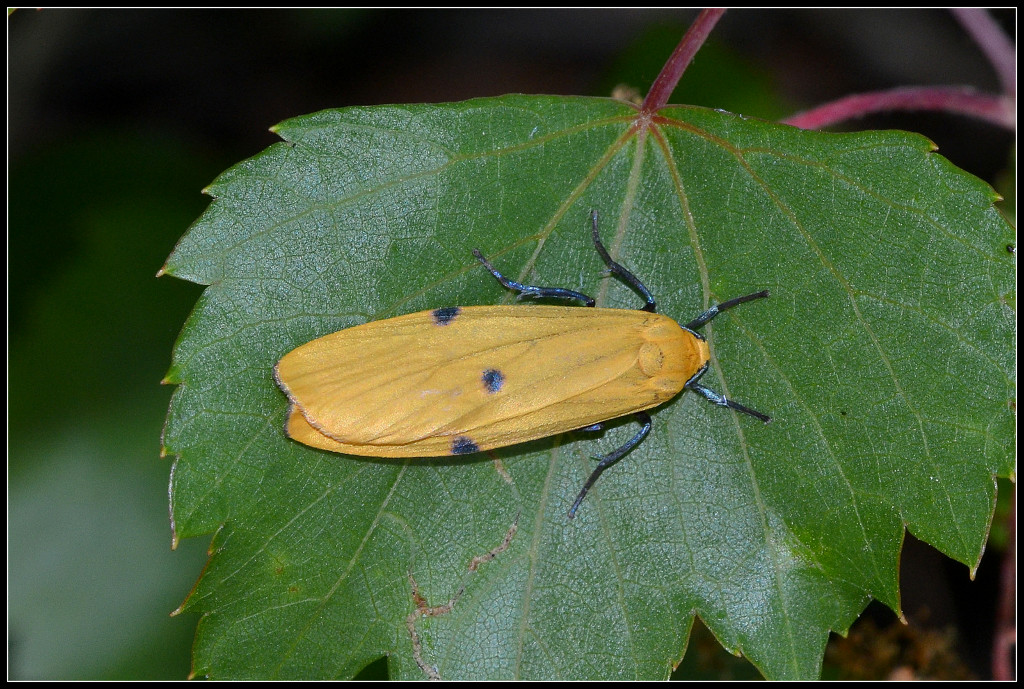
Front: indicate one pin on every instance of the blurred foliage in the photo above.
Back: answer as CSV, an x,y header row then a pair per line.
x,y
896,651
92,578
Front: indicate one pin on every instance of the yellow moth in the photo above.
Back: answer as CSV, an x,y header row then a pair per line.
x,y
460,380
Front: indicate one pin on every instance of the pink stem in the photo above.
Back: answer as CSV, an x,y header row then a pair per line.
x,y
677,63
1000,110
993,42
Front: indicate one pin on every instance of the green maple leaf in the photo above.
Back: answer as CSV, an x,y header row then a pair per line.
x,y
885,356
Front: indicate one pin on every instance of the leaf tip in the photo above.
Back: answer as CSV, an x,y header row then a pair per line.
x,y
173,376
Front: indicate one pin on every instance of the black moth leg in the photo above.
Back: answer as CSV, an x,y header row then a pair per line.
x,y
707,393
614,268
721,401
531,290
605,461
618,270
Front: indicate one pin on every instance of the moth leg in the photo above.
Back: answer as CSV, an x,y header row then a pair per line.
x,y
605,461
618,270
708,394
531,290
719,399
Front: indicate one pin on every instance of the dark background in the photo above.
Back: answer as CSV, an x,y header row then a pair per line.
x,y
117,120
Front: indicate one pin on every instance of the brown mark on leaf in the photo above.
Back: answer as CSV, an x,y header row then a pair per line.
x,y
423,609
499,466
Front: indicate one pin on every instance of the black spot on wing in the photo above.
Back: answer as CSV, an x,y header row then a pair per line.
x,y
462,445
493,379
446,315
